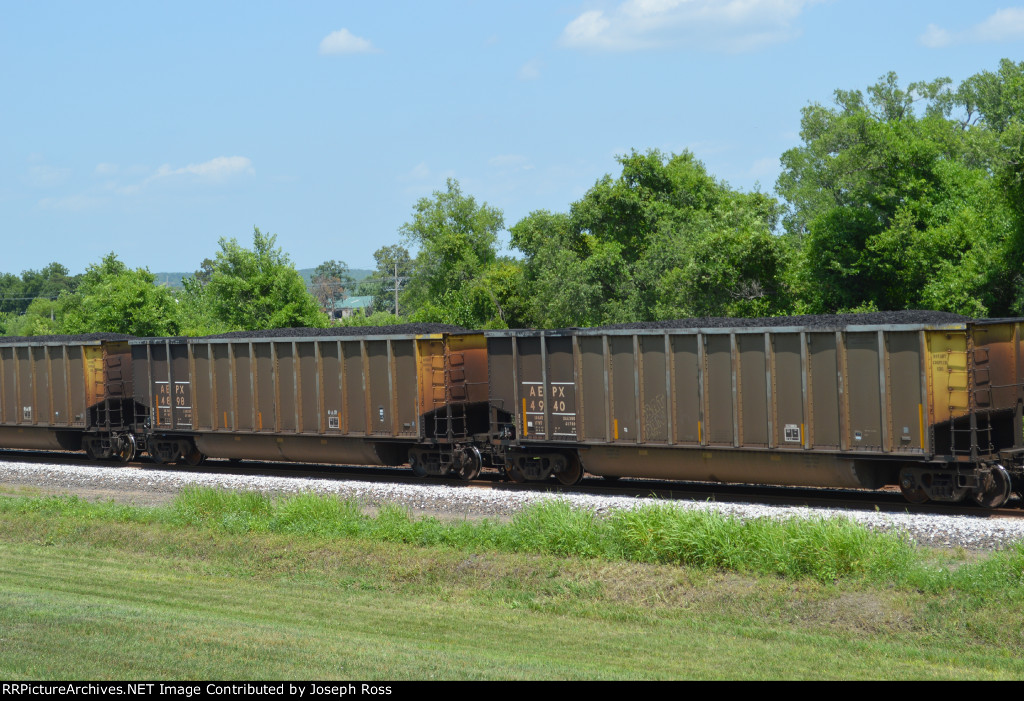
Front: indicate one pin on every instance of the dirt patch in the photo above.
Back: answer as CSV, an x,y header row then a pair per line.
x,y
134,497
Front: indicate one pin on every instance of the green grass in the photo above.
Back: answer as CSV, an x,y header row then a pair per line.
x,y
822,549
236,586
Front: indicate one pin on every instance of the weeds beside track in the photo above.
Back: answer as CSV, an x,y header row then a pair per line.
x,y
225,585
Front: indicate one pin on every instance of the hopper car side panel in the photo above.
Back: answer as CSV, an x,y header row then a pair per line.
x,y
319,398
42,385
64,395
784,392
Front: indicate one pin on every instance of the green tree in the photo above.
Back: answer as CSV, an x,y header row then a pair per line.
x,y
562,287
49,282
196,316
456,238
457,276
995,103
41,318
17,293
662,240
205,272
13,298
115,299
257,288
330,281
394,267
892,202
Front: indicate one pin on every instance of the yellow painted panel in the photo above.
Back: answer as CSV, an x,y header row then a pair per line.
x,y
946,366
92,358
957,380
958,400
463,342
429,370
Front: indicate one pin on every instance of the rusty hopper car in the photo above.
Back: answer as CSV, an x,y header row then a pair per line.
x,y
932,407
315,395
67,393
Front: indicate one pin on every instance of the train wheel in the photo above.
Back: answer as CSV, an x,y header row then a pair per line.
x,y
994,489
912,492
193,458
573,472
468,462
416,463
94,450
163,452
124,447
514,474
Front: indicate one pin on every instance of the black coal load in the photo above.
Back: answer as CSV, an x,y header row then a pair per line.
x,y
67,338
337,331
821,322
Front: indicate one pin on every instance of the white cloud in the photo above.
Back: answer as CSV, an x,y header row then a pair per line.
x,y
723,25
102,194
46,176
589,30
764,167
510,162
935,37
72,203
420,172
1003,25
422,177
529,70
124,190
706,147
218,168
345,42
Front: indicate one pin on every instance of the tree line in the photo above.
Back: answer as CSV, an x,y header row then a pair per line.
x,y
898,197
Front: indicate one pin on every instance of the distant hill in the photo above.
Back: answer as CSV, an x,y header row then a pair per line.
x,y
174,279
170,279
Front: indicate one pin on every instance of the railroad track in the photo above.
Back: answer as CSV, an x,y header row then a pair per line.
x,y
889,500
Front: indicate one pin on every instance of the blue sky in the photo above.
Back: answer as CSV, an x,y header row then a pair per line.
x,y
155,129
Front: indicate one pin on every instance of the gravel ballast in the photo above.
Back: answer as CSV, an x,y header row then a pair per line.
x,y
147,487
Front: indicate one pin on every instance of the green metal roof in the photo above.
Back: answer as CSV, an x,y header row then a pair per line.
x,y
354,302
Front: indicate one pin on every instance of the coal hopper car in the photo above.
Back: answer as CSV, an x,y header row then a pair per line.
x,y
67,393
363,396
926,401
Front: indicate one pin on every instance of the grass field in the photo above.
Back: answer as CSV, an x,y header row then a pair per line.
x,y
226,586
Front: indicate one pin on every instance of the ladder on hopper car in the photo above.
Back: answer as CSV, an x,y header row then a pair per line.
x,y
981,431
451,398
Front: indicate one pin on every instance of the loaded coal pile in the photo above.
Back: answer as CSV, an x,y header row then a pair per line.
x,y
393,330
67,338
822,322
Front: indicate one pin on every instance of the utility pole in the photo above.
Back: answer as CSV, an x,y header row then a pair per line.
x,y
398,279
